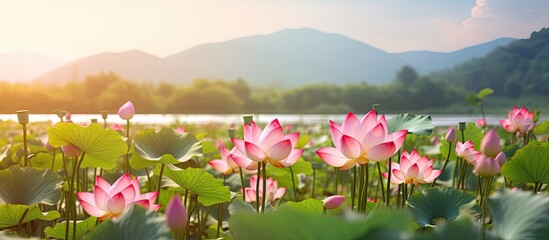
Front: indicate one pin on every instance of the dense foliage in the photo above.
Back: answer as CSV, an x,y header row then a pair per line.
x,y
518,70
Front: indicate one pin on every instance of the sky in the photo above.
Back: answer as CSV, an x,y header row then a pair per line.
x,y
70,29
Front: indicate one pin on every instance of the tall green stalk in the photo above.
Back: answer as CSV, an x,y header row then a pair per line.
x,y
445,163
293,183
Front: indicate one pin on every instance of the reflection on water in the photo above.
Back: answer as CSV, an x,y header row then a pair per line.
x,y
227,119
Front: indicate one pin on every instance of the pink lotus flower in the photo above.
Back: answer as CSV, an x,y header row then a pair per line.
x,y
481,122
360,141
467,152
486,166
273,191
180,129
269,145
518,120
126,111
117,127
225,165
108,201
333,202
413,169
176,214
489,145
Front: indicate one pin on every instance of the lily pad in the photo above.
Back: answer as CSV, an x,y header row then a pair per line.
x,y
167,146
137,223
82,227
102,147
307,206
210,190
29,186
530,164
11,214
439,205
542,128
43,161
416,124
519,215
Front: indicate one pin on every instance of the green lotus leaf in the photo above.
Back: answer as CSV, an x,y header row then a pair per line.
x,y
530,164
542,128
484,93
471,132
137,162
11,214
285,178
209,147
238,205
519,215
167,146
137,223
210,190
29,186
82,227
307,206
102,147
439,205
44,161
289,224
459,229
416,124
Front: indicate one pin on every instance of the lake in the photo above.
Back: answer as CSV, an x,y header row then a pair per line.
x,y
165,119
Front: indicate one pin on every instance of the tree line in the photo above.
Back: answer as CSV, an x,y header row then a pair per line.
x,y
108,91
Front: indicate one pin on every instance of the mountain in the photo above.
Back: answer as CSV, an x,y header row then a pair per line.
x,y
21,65
518,69
425,62
287,58
134,65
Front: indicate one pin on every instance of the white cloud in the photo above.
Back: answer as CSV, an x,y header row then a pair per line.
x,y
495,18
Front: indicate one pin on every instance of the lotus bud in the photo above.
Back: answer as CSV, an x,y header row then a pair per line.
x,y
68,116
486,166
23,117
180,129
71,151
94,120
333,202
127,111
490,144
501,158
450,135
176,214
248,119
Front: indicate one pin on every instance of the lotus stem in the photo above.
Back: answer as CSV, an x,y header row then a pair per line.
x,y
365,192
25,150
381,182
21,220
219,218
160,180
127,156
264,192
257,188
388,198
293,183
188,227
445,163
336,180
360,189
411,191
483,115
242,184
536,187
314,184
353,188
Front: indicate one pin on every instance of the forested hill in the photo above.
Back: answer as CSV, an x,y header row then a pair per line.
x,y
518,70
